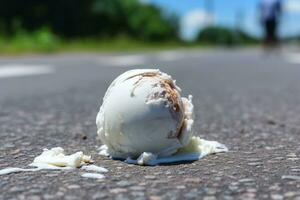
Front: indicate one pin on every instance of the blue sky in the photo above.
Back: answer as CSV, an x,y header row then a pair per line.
x,y
229,13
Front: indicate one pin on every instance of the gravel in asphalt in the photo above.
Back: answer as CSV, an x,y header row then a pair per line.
x,y
243,99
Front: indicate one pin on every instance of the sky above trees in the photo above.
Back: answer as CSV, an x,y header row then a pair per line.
x,y
195,14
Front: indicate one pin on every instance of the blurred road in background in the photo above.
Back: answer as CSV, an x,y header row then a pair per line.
x,y
25,76
246,99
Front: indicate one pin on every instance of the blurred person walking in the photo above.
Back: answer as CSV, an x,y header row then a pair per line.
x,y
270,11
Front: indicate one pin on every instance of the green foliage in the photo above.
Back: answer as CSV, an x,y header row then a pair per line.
x,y
42,40
87,18
144,22
147,24
224,36
29,44
217,35
45,39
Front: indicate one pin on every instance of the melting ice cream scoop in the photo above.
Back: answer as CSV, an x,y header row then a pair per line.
x,y
143,111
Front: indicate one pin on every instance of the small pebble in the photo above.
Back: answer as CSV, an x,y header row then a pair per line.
x,y
291,177
290,194
150,177
118,190
276,196
124,183
245,180
137,188
255,163
34,197
99,195
209,198
155,198
73,187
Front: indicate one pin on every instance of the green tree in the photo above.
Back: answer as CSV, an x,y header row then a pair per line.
x,y
216,35
136,20
85,18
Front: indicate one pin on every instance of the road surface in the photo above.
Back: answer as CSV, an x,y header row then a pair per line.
x,y
245,99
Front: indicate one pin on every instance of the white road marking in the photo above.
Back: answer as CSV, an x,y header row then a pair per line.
x,y
293,58
17,70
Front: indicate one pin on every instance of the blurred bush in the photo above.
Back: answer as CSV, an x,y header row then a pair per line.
x,y
41,40
86,18
216,35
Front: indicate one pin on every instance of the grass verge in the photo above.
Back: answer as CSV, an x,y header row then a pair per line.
x,y
43,41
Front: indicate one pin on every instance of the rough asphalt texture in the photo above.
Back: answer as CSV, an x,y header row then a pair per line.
x,y
244,99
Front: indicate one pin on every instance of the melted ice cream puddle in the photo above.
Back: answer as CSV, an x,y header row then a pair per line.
x,y
55,159
195,150
10,170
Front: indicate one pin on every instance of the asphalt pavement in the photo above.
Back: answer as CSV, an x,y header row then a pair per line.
x,y
246,99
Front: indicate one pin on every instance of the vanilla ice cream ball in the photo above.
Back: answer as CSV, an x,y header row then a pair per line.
x,y
143,111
